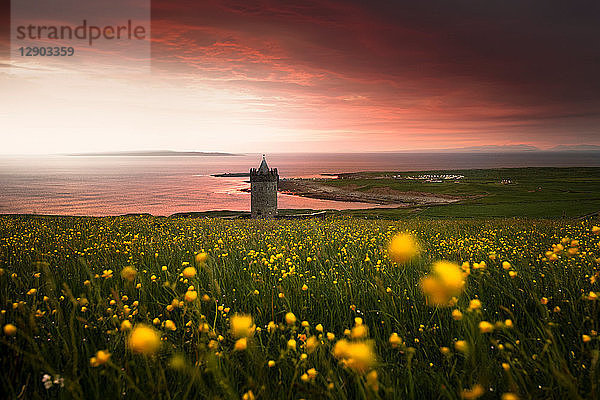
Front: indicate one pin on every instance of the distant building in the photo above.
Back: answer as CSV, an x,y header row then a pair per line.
x,y
263,188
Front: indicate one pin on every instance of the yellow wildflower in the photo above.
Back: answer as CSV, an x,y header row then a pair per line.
x,y
457,315
402,248
358,356
311,344
125,325
486,327
201,258
144,339
10,330
359,331
372,381
395,340
248,395
191,295
242,325
474,393
290,318
170,325
291,344
102,357
128,273
462,346
241,344
189,272
445,282
474,304
586,338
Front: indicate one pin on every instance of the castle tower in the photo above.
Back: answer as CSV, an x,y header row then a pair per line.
x,y
263,188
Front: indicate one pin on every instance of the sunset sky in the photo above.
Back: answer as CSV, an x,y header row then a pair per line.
x,y
344,76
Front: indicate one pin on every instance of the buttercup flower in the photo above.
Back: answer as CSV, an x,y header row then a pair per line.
x,y
242,326
128,273
10,330
402,248
144,339
189,272
290,318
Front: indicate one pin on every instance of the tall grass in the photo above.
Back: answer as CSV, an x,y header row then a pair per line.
x,y
260,268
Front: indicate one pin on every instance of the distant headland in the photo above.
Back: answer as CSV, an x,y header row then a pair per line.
x,y
153,153
232,175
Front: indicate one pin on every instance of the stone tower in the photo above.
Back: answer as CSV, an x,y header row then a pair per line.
x,y
263,188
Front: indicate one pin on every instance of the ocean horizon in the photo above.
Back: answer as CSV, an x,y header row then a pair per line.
x,y
158,185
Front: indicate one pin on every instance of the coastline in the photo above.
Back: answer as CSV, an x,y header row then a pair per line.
x,y
355,193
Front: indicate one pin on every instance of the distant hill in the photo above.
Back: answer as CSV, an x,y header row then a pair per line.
x,y
579,147
494,149
511,148
153,153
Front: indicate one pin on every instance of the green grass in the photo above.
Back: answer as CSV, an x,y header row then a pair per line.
x,y
343,263
535,192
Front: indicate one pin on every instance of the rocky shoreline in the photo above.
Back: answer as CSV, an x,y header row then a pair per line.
x,y
352,193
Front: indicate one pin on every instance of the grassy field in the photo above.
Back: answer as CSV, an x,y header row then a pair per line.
x,y
96,308
534,192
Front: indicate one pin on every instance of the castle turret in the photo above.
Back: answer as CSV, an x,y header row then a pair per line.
x,y
263,187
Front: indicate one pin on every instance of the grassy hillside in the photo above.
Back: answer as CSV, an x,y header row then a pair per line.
x,y
71,290
533,192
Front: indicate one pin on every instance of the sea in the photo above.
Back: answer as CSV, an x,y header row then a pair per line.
x,y
165,185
